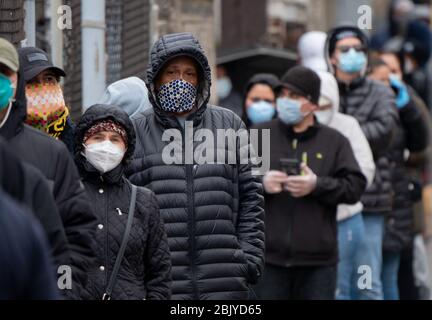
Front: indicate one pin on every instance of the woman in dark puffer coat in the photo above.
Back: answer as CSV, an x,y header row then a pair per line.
x,y
105,140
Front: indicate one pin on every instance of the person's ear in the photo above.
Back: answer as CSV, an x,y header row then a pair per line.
x,y
310,107
334,59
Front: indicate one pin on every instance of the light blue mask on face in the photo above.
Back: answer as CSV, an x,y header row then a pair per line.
x,y
289,111
260,112
6,91
224,87
352,61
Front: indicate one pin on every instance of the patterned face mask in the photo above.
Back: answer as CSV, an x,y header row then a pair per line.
x,y
177,96
46,109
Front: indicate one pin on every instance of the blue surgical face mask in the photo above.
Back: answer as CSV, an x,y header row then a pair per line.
x,y
352,61
224,87
6,91
260,112
289,111
177,96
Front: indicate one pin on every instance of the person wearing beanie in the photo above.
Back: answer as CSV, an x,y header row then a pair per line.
x,y
373,105
312,171
105,142
260,99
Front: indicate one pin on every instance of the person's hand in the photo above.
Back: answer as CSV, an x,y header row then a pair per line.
x,y
273,182
301,186
402,98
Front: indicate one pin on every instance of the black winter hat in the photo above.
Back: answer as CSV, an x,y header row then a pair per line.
x,y
303,81
263,78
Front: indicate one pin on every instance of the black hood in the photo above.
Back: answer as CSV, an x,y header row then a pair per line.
x,y
18,113
96,114
331,41
167,48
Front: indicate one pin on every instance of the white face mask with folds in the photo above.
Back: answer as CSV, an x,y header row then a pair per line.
x,y
104,156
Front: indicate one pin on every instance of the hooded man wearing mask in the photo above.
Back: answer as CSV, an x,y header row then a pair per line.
x,y
373,105
213,212
53,160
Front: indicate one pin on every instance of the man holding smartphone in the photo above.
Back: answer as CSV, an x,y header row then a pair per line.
x,y
313,170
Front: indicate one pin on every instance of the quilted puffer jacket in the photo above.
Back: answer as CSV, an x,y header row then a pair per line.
x,y
213,213
145,272
373,105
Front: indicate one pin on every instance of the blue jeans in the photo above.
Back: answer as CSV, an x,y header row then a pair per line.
x,y
389,275
350,237
370,259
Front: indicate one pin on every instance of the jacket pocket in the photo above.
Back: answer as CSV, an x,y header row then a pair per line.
x,y
313,231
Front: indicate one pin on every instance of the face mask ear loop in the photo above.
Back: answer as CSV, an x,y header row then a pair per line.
x,y
7,115
83,152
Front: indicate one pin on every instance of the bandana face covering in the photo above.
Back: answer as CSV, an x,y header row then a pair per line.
x,y
177,96
46,109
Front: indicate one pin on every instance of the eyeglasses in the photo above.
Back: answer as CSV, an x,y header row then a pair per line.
x,y
358,48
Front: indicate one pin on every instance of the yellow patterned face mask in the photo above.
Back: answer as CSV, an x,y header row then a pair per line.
x,y
46,109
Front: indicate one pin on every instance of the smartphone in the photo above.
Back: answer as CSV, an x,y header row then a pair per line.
x,y
290,166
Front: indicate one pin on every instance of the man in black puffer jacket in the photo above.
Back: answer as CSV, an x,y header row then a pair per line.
x,y
373,105
213,213
53,160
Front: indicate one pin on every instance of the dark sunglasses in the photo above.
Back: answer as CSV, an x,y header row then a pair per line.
x,y
358,48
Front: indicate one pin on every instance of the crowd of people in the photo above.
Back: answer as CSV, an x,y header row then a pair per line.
x,y
332,218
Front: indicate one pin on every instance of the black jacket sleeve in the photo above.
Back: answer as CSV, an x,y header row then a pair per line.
x,y
414,126
347,184
78,219
26,184
250,221
379,127
39,195
157,257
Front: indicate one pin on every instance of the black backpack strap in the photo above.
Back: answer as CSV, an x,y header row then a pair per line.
x,y
113,278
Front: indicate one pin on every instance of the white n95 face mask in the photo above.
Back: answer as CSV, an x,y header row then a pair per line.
x,y
104,156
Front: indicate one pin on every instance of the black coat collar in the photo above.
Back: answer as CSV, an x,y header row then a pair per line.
x,y
310,133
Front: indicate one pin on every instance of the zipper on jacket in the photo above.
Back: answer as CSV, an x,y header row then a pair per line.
x,y
191,216
294,146
191,209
